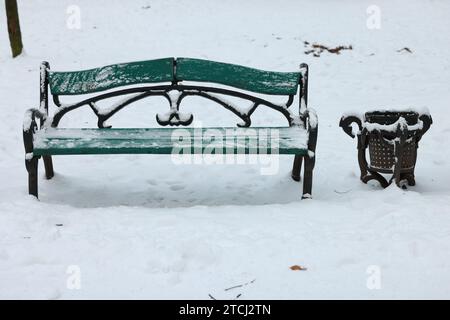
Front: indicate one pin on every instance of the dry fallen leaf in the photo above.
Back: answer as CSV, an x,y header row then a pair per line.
x,y
298,268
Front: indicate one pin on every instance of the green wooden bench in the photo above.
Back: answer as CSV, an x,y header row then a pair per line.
x,y
173,79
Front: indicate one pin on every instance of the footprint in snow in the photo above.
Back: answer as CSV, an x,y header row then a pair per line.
x,y
152,182
177,187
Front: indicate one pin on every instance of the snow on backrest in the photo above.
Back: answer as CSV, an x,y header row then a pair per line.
x,y
109,77
259,81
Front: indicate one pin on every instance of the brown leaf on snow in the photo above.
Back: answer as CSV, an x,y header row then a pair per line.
x,y
405,49
298,268
317,49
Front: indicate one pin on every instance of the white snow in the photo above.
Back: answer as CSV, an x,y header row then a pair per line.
x,y
394,126
312,118
27,121
421,110
105,111
143,227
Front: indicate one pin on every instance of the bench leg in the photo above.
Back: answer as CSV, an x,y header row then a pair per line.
x,y
308,176
297,167
32,168
48,164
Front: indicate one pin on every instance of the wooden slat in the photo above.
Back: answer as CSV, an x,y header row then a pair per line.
x,y
109,77
265,82
51,141
162,70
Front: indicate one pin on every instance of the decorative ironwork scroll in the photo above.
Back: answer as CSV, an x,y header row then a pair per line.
x,y
174,94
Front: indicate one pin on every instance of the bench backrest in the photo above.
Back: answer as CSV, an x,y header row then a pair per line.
x,y
170,74
110,77
173,70
249,79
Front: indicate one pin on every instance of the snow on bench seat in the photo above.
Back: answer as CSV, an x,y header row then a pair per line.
x,y
64,141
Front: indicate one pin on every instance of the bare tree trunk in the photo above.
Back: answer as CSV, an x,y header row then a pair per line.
x,y
15,37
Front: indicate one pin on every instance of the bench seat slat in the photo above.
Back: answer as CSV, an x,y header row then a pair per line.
x,y
62,141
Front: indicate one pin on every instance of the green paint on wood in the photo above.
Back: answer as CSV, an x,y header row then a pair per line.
x,y
266,82
60,141
109,77
162,70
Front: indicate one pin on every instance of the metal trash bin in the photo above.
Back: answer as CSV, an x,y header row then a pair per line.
x,y
392,138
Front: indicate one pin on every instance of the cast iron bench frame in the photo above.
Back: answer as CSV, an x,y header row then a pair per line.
x,y
86,81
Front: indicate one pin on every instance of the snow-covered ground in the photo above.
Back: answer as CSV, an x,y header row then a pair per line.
x,y
143,227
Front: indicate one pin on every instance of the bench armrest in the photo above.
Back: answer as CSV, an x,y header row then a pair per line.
x,y
29,128
311,119
312,124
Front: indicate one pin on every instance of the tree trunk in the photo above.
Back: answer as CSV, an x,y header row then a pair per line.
x,y
15,37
